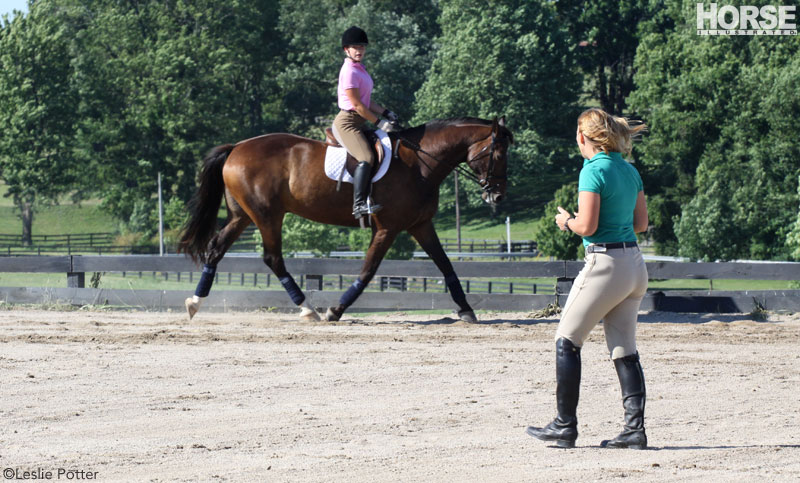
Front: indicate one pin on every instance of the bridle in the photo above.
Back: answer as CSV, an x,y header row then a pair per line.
x,y
484,182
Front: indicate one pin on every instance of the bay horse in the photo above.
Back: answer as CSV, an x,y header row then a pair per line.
x,y
265,177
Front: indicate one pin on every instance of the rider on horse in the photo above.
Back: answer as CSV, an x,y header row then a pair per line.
x,y
356,108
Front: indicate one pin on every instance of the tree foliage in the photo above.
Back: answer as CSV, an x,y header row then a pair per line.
x,y
550,239
508,58
720,165
37,110
606,34
98,96
163,81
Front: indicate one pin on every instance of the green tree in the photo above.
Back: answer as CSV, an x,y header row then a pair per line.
x,y
793,239
508,58
719,163
550,239
164,81
299,234
402,248
606,34
400,49
37,110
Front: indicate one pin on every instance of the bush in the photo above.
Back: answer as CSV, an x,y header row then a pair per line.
x,y
402,248
551,241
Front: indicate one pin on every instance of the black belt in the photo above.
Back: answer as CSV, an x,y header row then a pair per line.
x,y
611,246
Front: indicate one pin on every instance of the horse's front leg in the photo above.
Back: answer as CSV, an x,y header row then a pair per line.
x,y
382,239
426,236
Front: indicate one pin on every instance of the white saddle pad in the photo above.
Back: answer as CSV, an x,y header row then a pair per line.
x,y
335,158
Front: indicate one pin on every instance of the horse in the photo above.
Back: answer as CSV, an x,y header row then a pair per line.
x,y
265,177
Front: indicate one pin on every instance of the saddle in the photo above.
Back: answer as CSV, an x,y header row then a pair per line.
x,y
351,162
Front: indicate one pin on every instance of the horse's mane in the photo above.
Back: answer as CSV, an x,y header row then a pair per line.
x,y
437,124
454,121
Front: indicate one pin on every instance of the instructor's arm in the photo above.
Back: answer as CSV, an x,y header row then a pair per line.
x,y
585,222
640,219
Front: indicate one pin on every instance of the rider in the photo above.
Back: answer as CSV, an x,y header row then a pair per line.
x,y
354,91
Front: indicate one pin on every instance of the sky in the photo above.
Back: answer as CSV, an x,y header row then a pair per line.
x,y
8,6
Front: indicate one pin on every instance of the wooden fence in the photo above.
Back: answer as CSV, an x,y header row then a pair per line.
x,y
315,269
103,244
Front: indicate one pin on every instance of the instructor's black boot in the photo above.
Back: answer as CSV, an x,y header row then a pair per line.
x,y
361,186
564,429
631,380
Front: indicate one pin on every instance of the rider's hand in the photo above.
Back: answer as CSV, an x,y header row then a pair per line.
x,y
387,126
392,117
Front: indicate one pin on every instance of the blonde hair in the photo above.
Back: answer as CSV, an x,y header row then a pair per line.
x,y
609,132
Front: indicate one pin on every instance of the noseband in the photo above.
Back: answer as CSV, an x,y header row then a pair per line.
x,y
486,181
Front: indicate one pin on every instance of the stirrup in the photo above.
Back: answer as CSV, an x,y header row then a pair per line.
x,y
367,208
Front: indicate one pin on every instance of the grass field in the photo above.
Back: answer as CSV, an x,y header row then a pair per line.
x,y
67,217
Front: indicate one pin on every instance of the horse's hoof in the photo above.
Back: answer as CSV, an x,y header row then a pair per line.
x,y
191,307
308,314
331,316
468,316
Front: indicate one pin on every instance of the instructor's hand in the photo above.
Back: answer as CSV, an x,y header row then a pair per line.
x,y
562,217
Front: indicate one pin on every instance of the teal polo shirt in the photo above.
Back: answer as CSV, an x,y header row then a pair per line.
x,y
618,184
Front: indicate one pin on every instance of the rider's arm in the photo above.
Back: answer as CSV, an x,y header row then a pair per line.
x,y
376,108
359,106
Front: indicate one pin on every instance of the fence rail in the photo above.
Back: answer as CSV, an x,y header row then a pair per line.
x,y
393,274
103,243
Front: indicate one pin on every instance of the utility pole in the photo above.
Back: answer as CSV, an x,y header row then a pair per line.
x,y
160,219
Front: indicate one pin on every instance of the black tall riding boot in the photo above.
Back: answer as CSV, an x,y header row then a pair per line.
x,y
564,429
631,381
361,186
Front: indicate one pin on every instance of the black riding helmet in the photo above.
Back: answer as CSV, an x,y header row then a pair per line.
x,y
354,36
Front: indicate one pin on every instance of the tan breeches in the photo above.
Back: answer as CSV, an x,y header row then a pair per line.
x,y
347,130
610,287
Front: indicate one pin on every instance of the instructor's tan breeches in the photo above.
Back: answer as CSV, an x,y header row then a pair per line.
x,y
610,287
347,130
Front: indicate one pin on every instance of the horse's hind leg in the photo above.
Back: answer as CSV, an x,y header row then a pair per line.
x,y
237,222
271,233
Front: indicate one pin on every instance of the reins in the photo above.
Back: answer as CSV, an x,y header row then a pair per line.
x,y
483,183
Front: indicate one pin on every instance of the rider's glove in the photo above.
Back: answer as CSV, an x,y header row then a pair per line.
x,y
386,126
392,117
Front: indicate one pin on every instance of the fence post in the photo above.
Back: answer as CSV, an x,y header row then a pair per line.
x,y
313,282
76,279
563,285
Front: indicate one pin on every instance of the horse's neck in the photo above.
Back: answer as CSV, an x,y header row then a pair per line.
x,y
450,153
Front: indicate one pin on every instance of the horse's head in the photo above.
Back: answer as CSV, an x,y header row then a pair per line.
x,y
488,158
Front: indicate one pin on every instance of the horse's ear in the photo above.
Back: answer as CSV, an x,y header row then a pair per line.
x,y
502,121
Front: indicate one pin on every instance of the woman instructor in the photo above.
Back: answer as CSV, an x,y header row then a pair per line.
x,y
356,108
612,283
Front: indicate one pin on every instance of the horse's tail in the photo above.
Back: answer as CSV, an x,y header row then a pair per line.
x,y
205,204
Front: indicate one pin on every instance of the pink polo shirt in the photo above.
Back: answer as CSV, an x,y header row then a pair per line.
x,y
353,75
